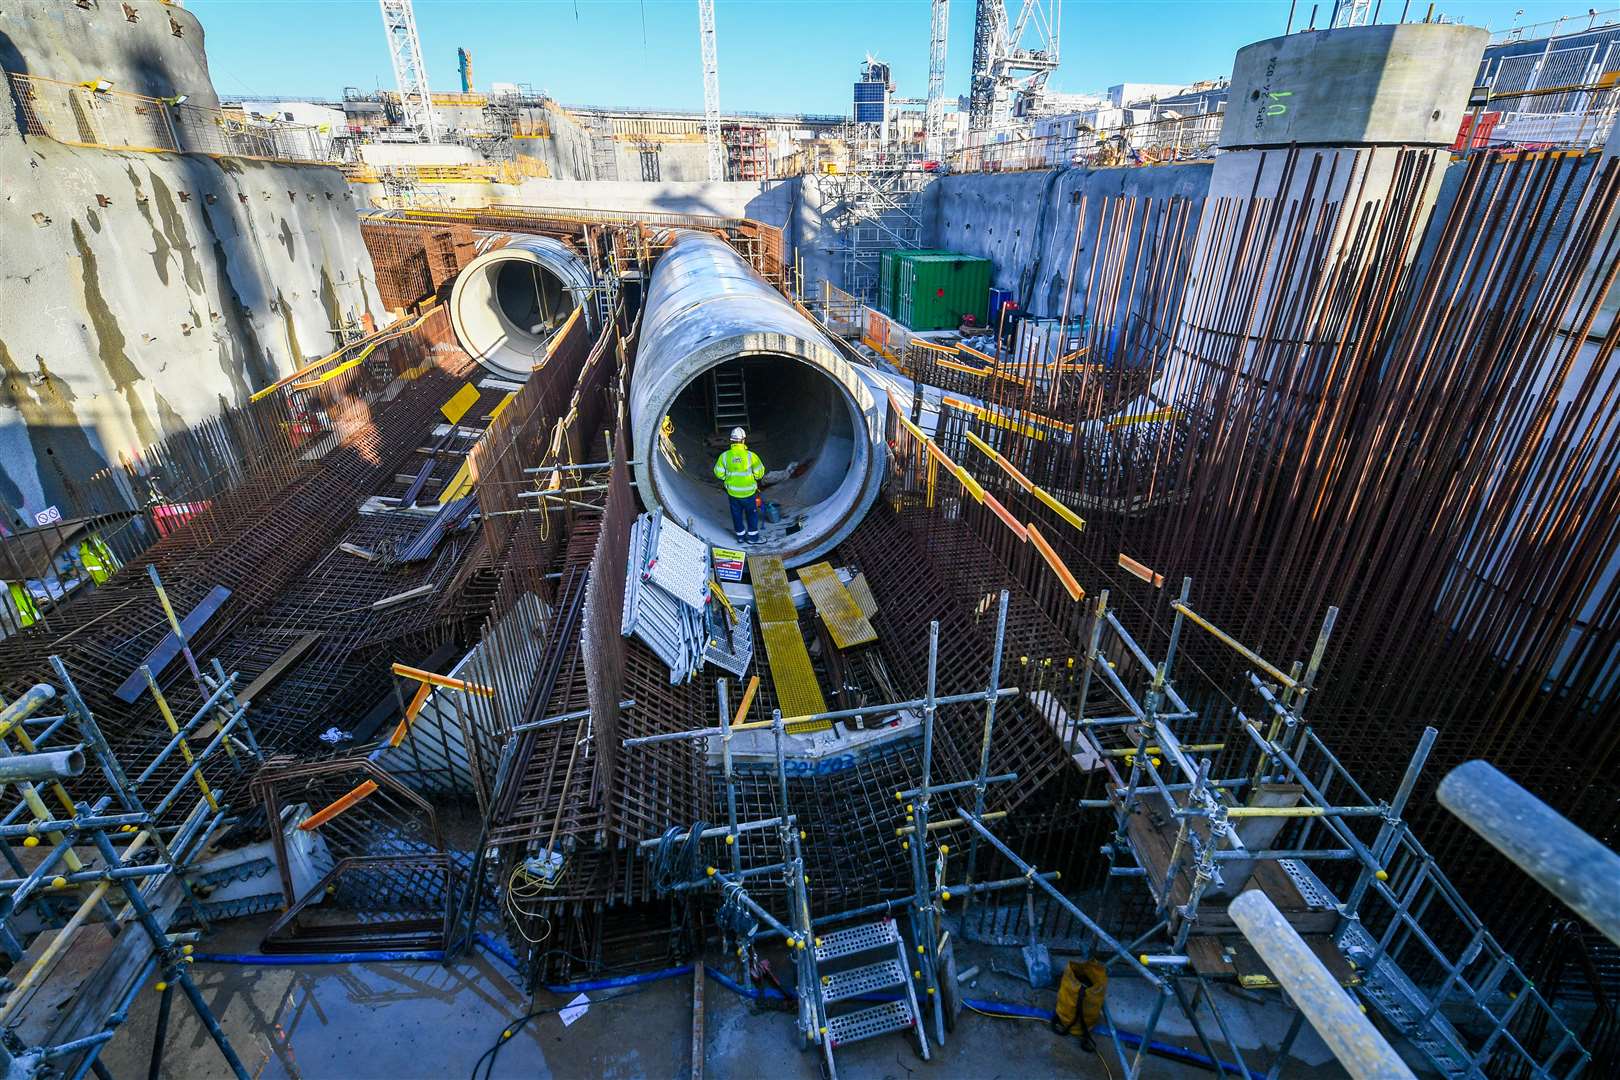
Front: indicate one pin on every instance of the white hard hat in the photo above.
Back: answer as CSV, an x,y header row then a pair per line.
x,y
738,434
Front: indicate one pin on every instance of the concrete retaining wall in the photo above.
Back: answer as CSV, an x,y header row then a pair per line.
x,y
1025,222
200,280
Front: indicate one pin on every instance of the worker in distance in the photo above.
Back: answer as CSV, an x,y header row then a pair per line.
x,y
740,470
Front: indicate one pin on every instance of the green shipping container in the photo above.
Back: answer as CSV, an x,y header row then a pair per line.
x,y
936,291
888,272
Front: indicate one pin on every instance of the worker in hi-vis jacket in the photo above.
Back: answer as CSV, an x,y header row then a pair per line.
x,y
740,469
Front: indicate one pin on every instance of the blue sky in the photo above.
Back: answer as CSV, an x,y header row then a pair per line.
x,y
775,55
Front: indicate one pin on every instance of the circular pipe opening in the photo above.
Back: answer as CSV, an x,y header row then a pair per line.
x,y
804,425
507,304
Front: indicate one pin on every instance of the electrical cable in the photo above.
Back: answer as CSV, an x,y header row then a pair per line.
x,y
510,1031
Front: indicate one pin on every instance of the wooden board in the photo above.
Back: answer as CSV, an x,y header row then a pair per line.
x,y
1230,957
1152,833
845,621
169,648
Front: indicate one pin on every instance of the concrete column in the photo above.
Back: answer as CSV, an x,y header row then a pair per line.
x,y
1314,132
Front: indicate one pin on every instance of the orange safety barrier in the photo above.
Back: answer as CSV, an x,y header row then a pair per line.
x,y
338,806
1056,563
1136,569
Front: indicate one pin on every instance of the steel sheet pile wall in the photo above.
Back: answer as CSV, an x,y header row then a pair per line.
x,y
1431,446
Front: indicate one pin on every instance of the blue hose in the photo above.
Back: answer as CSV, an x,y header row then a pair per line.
x,y
623,980
302,959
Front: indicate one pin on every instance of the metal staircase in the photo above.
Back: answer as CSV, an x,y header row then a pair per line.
x,y
844,979
728,398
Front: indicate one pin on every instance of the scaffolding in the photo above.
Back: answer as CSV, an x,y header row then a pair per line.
x,y
875,205
746,158
77,961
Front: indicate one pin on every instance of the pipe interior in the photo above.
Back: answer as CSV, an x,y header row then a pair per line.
x,y
529,301
801,423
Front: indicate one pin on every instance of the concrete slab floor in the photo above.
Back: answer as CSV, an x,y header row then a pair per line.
x,y
402,1020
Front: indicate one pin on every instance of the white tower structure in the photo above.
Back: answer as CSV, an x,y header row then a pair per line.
x,y
711,90
934,116
1010,57
410,73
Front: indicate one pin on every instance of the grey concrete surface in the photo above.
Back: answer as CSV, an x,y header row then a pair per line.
x,y
403,1020
200,280
1025,222
158,53
1404,83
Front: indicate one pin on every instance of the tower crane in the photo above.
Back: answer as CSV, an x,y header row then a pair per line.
x,y
934,116
410,73
711,90
1010,58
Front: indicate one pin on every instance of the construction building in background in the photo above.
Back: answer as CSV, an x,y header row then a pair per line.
x,y
1186,612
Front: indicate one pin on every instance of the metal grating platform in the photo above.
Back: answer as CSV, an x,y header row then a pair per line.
x,y
862,980
868,1023
773,597
856,939
797,692
838,609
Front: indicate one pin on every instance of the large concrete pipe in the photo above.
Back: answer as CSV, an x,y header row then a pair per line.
x,y
811,418
508,302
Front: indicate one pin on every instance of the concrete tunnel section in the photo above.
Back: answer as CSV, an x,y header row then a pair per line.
x,y
508,302
811,418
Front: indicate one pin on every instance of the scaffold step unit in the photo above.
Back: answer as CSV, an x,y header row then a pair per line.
x,y
99,881
863,932
874,206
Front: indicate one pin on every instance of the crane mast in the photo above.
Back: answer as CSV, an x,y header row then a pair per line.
x,y
711,90
410,73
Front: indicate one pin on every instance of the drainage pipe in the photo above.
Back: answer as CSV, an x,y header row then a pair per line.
x,y
719,346
508,302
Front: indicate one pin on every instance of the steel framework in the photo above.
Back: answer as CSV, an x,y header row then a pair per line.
x,y
711,90
938,42
1010,57
410,73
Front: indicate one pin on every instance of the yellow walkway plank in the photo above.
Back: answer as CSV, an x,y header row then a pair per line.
x,y
843,616
459,403
792,677
773,597
797,693
862,592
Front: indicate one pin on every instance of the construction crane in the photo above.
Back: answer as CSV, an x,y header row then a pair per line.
x,y
934,116
410,73
1010,58
711,90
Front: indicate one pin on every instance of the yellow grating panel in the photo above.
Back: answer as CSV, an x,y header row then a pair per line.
x,y
845,622
862,592
791,675
773,598
459,403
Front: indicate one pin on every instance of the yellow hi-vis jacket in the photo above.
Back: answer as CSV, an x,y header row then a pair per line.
x,y
739,468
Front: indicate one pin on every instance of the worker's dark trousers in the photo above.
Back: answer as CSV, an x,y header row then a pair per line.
x,y
744,518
